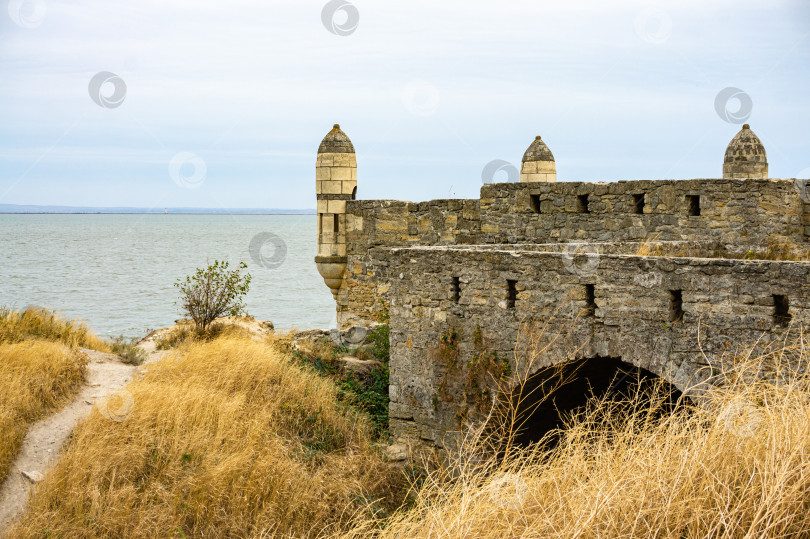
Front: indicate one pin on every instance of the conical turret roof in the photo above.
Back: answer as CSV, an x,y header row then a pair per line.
x,y
336,141
538,151
745,147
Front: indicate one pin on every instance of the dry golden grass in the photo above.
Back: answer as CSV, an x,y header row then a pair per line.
x,y
184,331
649,247
228,438
39,323
36,377
225,439
736,466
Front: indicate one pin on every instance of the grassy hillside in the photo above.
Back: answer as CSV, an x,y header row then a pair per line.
x,y
40,369
242,437
36,377
225,439
42,324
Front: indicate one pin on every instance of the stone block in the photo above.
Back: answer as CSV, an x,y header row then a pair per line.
x,y
335,206
330,187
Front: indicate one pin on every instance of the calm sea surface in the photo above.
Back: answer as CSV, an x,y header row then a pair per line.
x,y
117,271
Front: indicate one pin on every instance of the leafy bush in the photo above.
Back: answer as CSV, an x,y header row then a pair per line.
x,y
212,292
370,397
379,336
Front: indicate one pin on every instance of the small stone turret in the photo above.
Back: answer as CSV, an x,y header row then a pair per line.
x,y
745,157
538,163
335,183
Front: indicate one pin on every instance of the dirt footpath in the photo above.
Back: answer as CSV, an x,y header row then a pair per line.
x,y
43,442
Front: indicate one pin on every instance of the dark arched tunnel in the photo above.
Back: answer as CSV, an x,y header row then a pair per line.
x,y
552,393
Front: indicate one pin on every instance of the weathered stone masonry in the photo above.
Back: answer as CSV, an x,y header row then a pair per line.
x,y
742,214
633,317
478,269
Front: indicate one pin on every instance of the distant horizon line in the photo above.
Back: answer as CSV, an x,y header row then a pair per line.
x,y
134,210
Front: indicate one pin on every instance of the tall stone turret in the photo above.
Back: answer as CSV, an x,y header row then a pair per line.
x,y
538,163
745,157
335,183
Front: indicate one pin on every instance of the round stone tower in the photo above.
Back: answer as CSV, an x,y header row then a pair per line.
x,y
335,183
538,163
745,157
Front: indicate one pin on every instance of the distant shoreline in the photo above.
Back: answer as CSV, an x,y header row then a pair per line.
x,y
33,209
142,213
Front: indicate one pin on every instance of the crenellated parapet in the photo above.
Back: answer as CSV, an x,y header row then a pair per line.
x,y
746,212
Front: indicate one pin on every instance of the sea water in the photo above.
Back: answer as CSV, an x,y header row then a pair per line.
x,y
117,272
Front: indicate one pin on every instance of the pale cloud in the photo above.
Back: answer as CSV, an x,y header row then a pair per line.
x,y
252,87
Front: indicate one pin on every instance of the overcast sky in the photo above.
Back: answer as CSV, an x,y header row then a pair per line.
x,y
223,104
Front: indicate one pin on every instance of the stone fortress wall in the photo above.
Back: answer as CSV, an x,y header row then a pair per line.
x,y
743,214
676,317
566,255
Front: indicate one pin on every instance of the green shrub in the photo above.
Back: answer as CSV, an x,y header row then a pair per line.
x,y
372,398
369,396
380,336
212,292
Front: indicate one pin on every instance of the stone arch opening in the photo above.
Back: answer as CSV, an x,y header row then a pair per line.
x,y
576,383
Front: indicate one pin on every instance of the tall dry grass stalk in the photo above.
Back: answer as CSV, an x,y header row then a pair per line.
x,y
35,378
650,247
224,439
39,323
735,465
